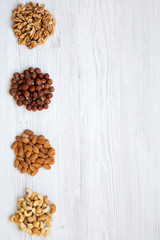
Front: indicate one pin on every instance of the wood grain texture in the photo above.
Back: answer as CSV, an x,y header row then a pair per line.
x,y
104,120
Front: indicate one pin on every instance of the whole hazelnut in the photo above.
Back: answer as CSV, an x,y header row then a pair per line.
x,y
28,107
45,91
40,75
26,94
12,91
49,95
39,101
42,86
40,93
34,108
16,74
38,82
26,72
46,86
35,94
14,86
43,98
16,97
25,86
46,75
21,76
33,76
20,87
43,80
13,80
39,108
21,97
51,89
47,101
38,88
20,81
19,103
37,70
49,81
33,103
31,69
45,106
19,92
25,102
32,88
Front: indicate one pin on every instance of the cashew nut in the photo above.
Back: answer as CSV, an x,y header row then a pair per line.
x,y
34,210
46,234
21,219
22,226
27,214
44,230
40,203
36,224
12,218
47,209
28,193
28,231
33,195
41,224
46,200
39,210
32,218
30,226
36,203
43,217
26,207
40,197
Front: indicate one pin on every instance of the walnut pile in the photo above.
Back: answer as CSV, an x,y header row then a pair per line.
x,y
32,24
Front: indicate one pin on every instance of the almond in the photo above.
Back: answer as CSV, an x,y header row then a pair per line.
x,y
24,164
23,170
20,166
30,137
41,155
40,160
28,132
52,162
20,158
16,151
42,150
14,145
39,145
46,166
28,154
37,165
51,151
29,171
32,168
21,152
20,144
47,160
25,140
34,156
28,148
41,141
34,172
16,163
18,138
34,139
23,135
46,143
28,161
35,149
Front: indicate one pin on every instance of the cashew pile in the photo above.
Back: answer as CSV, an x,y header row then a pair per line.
x,y
34,214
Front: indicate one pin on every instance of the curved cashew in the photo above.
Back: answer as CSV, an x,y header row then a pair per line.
x,y
36,224
48,224
27,214
21,219
20,211
46,200
12,218
28,193
38,210
32,218
44,205
49,214
47,209
53,206
35,231
41,224
40,197
33,195
26,207
40,203
43,217
46,234
34,210
29,203
21,199
36,203
44,230
30,225
28,231
22,226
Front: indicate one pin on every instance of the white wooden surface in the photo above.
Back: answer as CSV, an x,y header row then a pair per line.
x,y
104,120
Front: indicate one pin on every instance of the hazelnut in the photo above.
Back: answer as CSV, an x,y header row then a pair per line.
x,y
25,102
19,92
46,86
39,108
34,108
21,97
37,70
33,76
25,86
51,89
49,81
20,87
12,91
26,72
43,80
35,94
13,80
20,81
46,75
16,74
19,103
47,101
40,75
21,76
45,91
26,94
45,106
40,93
28,107
33,103
16,97
39,101
31,69
38,88
14,86
49,95
32,88
38,82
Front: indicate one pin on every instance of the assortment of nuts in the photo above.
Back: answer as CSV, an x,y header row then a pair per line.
x,y
32,88
32,24
32,152
34,214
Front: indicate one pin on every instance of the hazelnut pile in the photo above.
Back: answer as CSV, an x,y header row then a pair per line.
x,y
34,214
32,152
32,24
32,88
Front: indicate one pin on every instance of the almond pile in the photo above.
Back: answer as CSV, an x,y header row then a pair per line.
x,y
32,24
34,214
32,152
